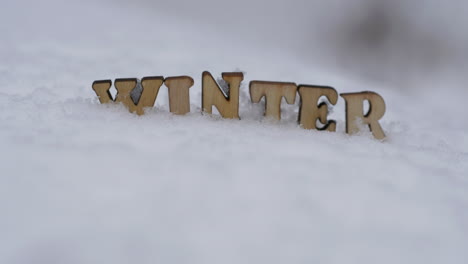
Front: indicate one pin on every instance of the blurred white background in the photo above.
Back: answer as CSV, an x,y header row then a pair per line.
x,y
393,41
87,183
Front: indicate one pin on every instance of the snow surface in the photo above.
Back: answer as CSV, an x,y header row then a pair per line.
x,y
82,182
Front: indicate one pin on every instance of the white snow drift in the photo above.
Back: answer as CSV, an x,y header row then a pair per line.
x,y
82,182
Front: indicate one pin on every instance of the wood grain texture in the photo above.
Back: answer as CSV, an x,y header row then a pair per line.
x,y
101,88
212,95
124,88
150,86
355,112
179,96
310,111
273,93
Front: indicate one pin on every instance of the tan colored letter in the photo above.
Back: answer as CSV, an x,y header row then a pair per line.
x,y
310,112
273,92
150,86
102,91
212,95
355,112
179,96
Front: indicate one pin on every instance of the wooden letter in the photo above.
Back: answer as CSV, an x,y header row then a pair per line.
x,y
212,95
310,112
150,86
124,87
102,90
355,112
179,96
273,92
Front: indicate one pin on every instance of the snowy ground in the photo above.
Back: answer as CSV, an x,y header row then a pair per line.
x,y
82,182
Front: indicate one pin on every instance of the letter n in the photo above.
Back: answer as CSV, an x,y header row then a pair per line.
x,y
212,95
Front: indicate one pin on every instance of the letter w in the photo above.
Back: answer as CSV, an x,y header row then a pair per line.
x,y
128,92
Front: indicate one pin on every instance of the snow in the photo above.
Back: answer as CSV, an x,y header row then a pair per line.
x,y
82,182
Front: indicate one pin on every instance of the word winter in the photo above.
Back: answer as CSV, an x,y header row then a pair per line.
x,y
137,95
